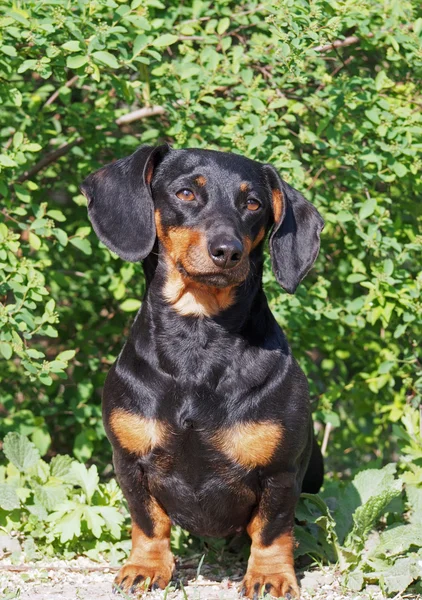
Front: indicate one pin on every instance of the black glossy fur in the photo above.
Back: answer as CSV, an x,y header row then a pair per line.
x,y
199,374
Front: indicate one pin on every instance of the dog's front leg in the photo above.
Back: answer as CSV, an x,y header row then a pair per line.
x,y
271,562
151,562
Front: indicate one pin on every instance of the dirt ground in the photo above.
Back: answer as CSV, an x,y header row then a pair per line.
x,y
85,580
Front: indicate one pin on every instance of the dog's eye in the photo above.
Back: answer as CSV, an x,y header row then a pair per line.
x,y
253,204
187,195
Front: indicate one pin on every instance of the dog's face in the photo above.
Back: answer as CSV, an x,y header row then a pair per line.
x,y
210,212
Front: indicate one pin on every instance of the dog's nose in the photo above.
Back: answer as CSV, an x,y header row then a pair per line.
x,y
226,253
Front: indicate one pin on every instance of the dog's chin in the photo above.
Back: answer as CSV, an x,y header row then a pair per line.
x,y
219,279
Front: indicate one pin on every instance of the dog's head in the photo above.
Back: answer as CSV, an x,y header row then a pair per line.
x,y
210,211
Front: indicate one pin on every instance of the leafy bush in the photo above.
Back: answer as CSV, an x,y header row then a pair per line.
x,y
327,91
346,532
58,507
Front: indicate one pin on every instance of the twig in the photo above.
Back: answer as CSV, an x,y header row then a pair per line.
x,y
315,178
101,568
65,148
48,159
24,568
68,84
348,41
141,113
328,428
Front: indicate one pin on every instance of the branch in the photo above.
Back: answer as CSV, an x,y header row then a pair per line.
x,y
68,84
48,159
141,113
147,111
348,41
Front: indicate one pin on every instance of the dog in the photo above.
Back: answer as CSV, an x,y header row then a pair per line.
x,y
206,409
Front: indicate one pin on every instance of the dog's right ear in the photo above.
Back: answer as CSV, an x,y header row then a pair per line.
x,y
120,203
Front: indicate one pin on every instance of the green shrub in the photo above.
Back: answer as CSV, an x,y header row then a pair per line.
x,y
341,122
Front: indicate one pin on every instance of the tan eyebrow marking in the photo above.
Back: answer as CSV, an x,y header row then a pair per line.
x,y
244,187
201,181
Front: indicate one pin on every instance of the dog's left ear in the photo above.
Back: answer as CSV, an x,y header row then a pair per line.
x,y
120,203
294,240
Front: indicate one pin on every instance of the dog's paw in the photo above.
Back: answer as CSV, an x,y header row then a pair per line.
x,y
132,576
279,585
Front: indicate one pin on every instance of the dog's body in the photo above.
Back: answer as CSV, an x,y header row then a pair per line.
x,y
207,410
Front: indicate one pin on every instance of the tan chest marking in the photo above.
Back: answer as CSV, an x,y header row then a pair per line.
x,y
191,299
249,444
135,433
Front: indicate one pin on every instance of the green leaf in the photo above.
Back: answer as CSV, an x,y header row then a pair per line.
x,y
399,169
87,479
57,215
113,519
372,482
398,578
388,267
75,62
42,440
94,521
82,244
72,46
34,241
50,495
20,451
106,58
9,50
61,466
130,305
397,540
366,516
8,498
165,40
67,521
382,81
355,580
6,350
373,115
356,277
367,208
66,355
6,161
223,25
414,497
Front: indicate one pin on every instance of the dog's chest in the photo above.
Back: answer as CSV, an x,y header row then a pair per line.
x,y
195,439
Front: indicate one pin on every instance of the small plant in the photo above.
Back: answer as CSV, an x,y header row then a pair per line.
x,y
371,526
60,507
361,526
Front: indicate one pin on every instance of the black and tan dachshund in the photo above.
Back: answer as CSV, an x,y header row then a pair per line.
x,y
206,408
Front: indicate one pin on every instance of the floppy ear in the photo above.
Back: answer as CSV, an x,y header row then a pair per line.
x,y
294,240
120,203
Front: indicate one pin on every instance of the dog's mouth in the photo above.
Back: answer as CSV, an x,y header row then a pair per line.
x,y
219,278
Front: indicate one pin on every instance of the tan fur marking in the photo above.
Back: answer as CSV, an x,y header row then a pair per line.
x,y
250,444
149,173
192,299
277,205
135,433
259,237
244,187
273,564
201,181
150,557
